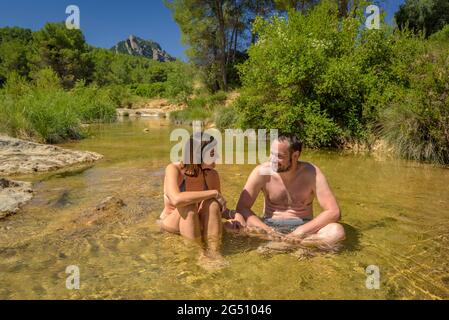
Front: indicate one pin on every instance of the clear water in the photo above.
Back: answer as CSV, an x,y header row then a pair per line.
x,y
395,214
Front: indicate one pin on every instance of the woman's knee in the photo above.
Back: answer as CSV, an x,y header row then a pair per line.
x,y
188,212
211,205
335,232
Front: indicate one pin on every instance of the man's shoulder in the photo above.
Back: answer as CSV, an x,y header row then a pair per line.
x,y
261,172
310,168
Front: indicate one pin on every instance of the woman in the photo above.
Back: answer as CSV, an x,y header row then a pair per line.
x,y
192,197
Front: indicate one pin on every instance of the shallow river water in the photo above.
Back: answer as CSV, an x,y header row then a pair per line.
x,y
395,213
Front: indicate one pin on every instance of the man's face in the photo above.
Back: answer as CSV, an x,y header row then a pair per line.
x,y
280,157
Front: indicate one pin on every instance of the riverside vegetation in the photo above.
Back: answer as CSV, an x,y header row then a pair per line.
x,y
308,67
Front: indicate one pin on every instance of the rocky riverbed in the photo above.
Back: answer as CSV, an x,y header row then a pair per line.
x,y
24,157
13,194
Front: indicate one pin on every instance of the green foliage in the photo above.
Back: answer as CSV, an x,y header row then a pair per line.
x,y
226,118
112,68
188,115
208,101
13,52
63,50
179,84
427,16
303,71
93,103
416,121
442,35
149,90
44,111
332,82
120,96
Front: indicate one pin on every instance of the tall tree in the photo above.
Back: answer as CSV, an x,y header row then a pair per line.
x,y
217,31
428,16
14,45
63,50
299,5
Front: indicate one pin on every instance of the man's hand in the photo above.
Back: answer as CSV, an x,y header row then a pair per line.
x,y
295,237
234,226
264,233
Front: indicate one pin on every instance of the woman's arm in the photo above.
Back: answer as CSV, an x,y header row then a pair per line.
x,y
182,199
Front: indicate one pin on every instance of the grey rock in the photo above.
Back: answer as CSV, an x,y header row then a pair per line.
x,y
22,157
13,195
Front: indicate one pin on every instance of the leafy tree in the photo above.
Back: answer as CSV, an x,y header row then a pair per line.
x,y
14,43
63,50
426,16
218,33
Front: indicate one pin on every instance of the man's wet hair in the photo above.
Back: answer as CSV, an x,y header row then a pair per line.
x,y
295,144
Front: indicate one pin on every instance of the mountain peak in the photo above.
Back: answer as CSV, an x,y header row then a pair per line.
x,y
137,46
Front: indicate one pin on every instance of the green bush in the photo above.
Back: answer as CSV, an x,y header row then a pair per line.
x,y
188,115
442,35
332,81
31,111
216,99
208,101
416,120
120,95
93,104
305,60
44,112
226,118
179,84
199,102
149,90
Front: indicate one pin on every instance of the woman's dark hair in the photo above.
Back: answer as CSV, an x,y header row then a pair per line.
x,y
193,159
295,144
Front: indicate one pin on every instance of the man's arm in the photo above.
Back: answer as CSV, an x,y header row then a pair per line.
x,y
328,203
248,197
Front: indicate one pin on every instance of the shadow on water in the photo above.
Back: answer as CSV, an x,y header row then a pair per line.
x,y
352,241
233,244
62,200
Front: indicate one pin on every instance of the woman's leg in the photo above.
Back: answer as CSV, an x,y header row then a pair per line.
x,y
189,223
185,221
210,218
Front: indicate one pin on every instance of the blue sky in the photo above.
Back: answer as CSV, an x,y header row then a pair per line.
x,y
104,23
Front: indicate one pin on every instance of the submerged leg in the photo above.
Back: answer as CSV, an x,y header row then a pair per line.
x,y
189,223
327,238
212,229
210,217
184,221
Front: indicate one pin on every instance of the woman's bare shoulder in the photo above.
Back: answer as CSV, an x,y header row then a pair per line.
x,y
173,166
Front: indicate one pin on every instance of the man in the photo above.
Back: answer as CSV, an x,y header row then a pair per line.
x,y
289,187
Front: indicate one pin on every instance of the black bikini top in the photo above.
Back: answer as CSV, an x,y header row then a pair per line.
x,y
182,186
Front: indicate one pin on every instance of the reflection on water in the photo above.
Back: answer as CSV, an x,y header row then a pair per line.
x,y
395,214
